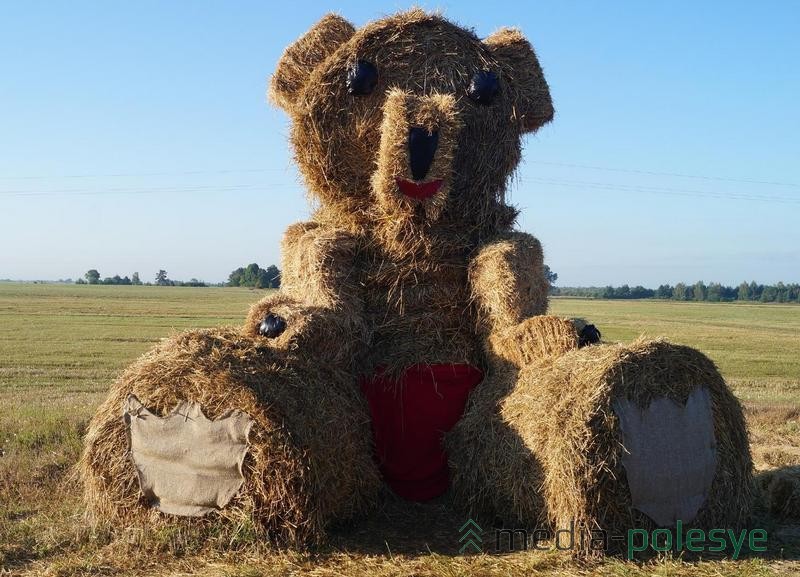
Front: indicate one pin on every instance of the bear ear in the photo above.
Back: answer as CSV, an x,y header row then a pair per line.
x,y
301,58
530,94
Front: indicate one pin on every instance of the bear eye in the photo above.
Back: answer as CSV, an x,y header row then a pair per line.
x,y
362,77
483,87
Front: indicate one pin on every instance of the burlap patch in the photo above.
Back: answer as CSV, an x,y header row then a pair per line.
x,y
670,455
186,464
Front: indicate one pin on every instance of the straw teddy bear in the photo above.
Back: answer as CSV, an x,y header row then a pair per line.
x,y
406,132
408,346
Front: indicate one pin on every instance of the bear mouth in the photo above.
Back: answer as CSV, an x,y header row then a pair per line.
x,y
419,190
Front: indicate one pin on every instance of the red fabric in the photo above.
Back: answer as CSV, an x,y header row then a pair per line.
x,y
418,190
409,417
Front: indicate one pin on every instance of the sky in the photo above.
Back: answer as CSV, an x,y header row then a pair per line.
x,y
137,136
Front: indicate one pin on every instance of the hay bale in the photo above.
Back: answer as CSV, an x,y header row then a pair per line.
x,y
578,440
421,321
781,492
536,340
508,280
309,458
321,299
493,471
560,416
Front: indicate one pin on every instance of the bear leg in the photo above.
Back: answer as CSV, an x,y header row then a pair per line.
x,y
308,461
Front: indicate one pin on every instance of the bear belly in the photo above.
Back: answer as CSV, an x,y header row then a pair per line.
x,y
410,415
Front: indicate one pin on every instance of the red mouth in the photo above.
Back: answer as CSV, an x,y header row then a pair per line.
x,y
418,190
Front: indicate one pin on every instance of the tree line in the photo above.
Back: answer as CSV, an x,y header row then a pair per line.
x,y
255,277
699,291
92,276
252,276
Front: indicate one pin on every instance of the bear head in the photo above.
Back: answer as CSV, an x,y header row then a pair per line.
x,y
411,126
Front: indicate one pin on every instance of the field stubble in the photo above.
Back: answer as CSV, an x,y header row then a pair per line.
x,y
60,346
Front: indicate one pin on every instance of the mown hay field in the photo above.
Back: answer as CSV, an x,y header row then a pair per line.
x,y
61,345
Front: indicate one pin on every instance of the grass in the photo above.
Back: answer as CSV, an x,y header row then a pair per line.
x,y
751,343
60,346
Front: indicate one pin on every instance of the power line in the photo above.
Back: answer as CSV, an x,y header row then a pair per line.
x,y
541,162
662,190
643,187
139,190
674,174
132,174
238,187
580,184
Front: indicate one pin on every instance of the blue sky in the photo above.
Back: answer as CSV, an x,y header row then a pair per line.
x,y
136,136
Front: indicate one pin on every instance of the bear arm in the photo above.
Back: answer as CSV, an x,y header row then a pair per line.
x,y
535,340
320,298
326,335
508,282
319,266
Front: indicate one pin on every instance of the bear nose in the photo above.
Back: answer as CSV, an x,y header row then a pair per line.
x,y
421,147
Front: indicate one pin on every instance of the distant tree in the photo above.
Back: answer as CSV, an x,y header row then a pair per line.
x,y
699,291
608,292
781,293
550,275
728,293
743,294
275,276
664,292
161,278
679,292
269,277
80,281
768,294
755,291
250,277
135,279
254,276
92,276
793,292
714,292
639,292
235,278
623,292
